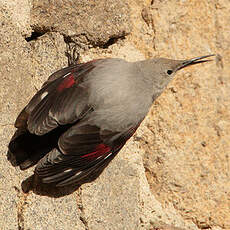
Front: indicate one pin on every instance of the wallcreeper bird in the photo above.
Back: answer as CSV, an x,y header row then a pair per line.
x,y
84,114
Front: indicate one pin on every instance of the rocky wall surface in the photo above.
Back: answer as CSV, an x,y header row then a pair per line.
x,y
174,172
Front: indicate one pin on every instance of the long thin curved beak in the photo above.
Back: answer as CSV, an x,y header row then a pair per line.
x,y
194,61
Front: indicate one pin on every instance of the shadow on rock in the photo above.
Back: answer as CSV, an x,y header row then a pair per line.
x,y
34,184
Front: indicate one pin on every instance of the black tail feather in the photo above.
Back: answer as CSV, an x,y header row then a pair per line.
x,y
26,149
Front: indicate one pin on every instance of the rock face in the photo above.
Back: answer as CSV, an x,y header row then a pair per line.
x,y
174,172
188,164
82,21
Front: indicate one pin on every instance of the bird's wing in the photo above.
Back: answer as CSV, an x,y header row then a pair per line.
x,y
83,150
62,100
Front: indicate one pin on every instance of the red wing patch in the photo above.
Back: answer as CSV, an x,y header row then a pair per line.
x,y
66,83
100,150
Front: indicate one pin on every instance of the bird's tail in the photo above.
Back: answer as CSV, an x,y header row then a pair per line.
x,y
26,149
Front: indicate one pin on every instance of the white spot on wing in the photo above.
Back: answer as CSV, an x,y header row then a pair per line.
x,y
108,156
99,157
78,173
66,75
68,170
44,95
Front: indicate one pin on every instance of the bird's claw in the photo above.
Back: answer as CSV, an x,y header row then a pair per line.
x,y
72,54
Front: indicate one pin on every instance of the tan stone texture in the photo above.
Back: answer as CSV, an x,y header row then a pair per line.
x,y
175,172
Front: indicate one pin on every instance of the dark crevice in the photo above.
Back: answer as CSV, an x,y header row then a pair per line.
x,y
21,205
81,208
34,35
111,41
68,39
37,32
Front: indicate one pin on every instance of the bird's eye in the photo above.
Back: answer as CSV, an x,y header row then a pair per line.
x,y
169,72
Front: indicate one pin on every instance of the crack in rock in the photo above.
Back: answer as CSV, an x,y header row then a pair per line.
x,y
81,208
21,208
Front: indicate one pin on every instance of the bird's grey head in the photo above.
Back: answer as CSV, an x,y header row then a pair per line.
x,y
160,71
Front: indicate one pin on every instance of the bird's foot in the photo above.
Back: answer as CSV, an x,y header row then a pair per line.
x,y
72,54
